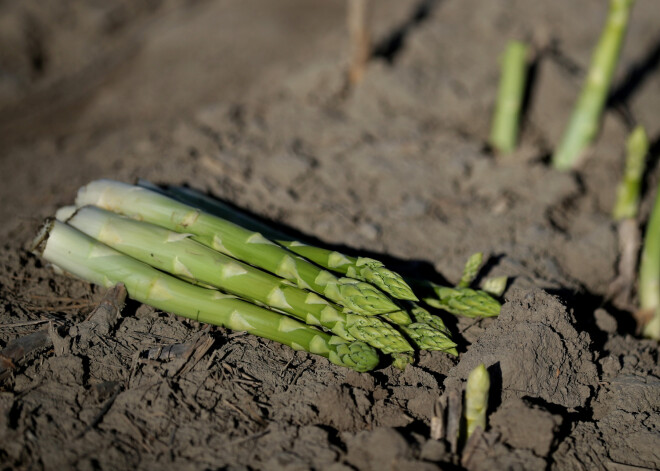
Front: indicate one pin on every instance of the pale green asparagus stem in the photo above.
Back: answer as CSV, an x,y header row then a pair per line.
x,y
179,255
235,241
649,272
506,120
627,196
584,122
476,399
360,268
86,258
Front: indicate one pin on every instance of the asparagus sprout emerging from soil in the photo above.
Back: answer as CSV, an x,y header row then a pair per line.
x,y
465,301
86,258
506,119
585,120
627,200
235,241
649,275
476,399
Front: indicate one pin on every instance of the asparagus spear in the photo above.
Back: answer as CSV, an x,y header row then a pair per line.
x,y
361,268
627,200
465,302
476,399
504,131
178,254
426,331
235,241
584,122
649,273
86,258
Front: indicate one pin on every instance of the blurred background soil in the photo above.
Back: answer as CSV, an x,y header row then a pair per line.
x,y
248,100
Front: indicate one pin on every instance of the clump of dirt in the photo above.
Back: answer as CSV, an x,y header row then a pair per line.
x,y
396,169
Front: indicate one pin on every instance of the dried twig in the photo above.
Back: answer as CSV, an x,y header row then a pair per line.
x,y
360,39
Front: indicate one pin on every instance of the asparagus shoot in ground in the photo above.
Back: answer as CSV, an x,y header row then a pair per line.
x,y
627,196
235,241
506,119
86,258
465,301
649,274
585,120
179,255
476,399
361,268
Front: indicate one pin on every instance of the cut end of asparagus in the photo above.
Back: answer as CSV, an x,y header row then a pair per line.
x,y
390,282
356,355
38,244
495,286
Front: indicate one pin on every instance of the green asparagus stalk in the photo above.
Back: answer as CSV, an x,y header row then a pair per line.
x,y
649,273
627,201
476,399
504,131
86,258
584,122
235,241
179,255
360,268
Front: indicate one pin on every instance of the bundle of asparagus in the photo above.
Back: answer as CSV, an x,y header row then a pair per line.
x,y
190,255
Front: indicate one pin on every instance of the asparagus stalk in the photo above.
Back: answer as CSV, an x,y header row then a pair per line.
x,y
361,268
476,399
179,255
86,258
584,122
649,273
504,131
235,241
495,286
627,201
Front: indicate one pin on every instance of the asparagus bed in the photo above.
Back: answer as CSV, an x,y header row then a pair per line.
x,y
86,258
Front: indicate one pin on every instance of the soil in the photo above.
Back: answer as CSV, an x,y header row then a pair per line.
x,y
248,101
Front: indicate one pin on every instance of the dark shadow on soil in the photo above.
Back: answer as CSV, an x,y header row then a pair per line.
x,y
390,46
636,76
584,305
